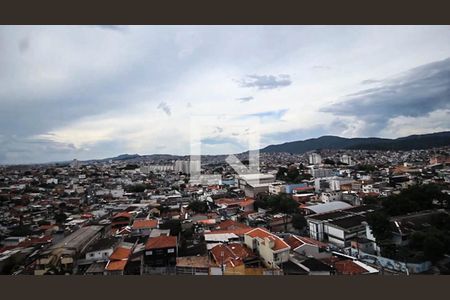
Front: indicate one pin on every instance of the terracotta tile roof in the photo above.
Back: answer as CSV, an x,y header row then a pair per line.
x,y
232,201
261,233
311,241
144,224
348,267
296,241
121,253
225,201
193,261
233,254
247,202
207,221
237,231
45,227
41,240
117,265
161,242
230,224
123,214
293,242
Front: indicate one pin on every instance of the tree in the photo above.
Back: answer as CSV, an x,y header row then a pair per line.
x,y
198,206
366,168
60,218
371,200
433,248
328,161
415,198
292,174
380,225
21,230
299,221
283,203
282,173
135,188
173,225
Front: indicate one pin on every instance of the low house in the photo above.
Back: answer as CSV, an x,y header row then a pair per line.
x,y
307,247
121,219
101,249
349,266
306,266
236,259
143,226
272,249
119,259
192,265
161,251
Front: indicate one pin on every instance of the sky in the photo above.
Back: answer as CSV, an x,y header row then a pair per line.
x,y
90,92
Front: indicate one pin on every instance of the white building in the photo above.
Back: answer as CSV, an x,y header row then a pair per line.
x,y
315,159
276,188
182,166
253,179
156,168
347,159
327,197
321,172
272,249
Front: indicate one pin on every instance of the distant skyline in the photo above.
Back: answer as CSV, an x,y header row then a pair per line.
x,y
99,91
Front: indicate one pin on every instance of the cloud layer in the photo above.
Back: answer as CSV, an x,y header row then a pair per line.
x,y
96,91
415,93
265,82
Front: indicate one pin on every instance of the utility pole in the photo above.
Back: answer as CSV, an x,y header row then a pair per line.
x,y
221,259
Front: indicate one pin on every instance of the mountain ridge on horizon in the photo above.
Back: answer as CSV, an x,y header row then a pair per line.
x,y
422,141
411,142
332,142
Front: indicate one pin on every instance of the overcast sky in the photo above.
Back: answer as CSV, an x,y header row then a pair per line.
x,y
98,91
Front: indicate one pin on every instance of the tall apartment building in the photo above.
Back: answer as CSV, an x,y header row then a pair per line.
x,y
346,159
314,159
182,166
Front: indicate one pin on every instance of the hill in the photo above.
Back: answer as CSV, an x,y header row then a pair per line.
x,y
423,141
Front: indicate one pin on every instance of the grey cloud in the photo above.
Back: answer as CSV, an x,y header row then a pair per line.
x,y
265,82
245,99
414,93
319,67
113,27
370,81
217,140
24,44
165,107
16,149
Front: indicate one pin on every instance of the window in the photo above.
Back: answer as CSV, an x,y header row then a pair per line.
x,y
172,250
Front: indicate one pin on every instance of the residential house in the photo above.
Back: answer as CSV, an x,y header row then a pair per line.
x,y
161,251
272,249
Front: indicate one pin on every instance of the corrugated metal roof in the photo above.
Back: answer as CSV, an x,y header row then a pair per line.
x,y
327,207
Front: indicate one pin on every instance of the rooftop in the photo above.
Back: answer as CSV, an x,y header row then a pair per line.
x,y
193,261
231,255
161,242
279,244
144,224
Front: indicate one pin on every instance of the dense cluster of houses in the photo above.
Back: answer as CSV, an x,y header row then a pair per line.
x,y
118,218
